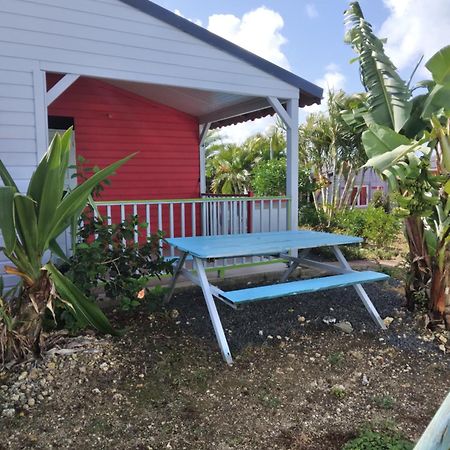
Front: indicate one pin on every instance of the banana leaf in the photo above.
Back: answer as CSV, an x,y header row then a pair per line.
x,y
87,312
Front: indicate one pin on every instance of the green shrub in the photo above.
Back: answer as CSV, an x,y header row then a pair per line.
x,y
372,440
309,217
269,178
115,262
374,225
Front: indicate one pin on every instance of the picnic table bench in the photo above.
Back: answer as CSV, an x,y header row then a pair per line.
x,y
292,246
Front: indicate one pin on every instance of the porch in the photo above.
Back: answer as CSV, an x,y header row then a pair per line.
x,y
206,216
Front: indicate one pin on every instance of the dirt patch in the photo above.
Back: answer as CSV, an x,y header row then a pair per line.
x,y
295,384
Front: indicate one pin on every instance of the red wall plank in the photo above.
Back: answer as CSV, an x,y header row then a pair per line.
x,y
111,123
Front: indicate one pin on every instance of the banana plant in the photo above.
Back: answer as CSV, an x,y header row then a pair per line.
x,y
406,135
30,224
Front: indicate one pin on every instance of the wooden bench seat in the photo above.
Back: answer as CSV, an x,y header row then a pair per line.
x,y
274,291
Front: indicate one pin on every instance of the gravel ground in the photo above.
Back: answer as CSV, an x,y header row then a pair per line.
x,y
297,383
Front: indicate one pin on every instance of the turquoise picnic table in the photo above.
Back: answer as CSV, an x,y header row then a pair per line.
x,y
292,246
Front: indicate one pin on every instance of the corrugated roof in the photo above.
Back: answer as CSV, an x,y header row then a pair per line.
x,y
309,92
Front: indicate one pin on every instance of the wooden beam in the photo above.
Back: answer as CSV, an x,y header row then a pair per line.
x,y
292,163
204,128
279,109
63,84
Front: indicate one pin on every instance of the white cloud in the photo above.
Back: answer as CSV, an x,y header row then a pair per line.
x,y
311,10
240,132
196,21
415,28
259,31
333,79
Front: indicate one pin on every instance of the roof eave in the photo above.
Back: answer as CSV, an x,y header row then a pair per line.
x,y
310,92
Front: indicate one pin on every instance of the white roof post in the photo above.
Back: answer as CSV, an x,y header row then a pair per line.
x,y
204,128
290,118
292,163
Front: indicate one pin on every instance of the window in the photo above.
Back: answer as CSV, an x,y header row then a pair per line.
x,y
362,199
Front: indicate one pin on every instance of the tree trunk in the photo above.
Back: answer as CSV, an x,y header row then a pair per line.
x,y
420,271
31,313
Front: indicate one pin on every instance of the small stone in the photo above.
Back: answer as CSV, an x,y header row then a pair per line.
x,y
344,326
269,337
261,332
357,354
104,367
442,348
51,365
174,314
388,320
40,397
31,402
10,412
141,375
365,380
34,374
291,355
22,376
96,391
329,320
442,339
301,319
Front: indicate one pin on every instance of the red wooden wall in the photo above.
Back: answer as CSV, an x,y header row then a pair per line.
x,y
111,123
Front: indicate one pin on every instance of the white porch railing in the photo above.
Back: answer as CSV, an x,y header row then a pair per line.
x,y
202,217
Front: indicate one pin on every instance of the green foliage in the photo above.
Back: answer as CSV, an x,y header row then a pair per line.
x,y
331,149
404,135
311,217
336,359
30,224
115,262
269,178
338,392
388,95
384,402
372,440
374,225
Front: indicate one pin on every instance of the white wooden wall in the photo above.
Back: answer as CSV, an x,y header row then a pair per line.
x,y
109,38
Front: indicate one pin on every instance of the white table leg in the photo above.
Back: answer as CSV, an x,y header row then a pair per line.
x,y
295,261
360,291
176,274
212,309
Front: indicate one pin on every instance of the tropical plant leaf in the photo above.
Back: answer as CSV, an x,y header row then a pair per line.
x,y
439,65
26,225
56,249
388,94
380,139
74,202
7,218
84,309
6,177
52,192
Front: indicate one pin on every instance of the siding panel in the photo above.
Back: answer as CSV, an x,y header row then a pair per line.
x,y
111,123
92,34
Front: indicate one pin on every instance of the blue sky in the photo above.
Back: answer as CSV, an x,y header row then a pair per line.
x,y
306,36
313,43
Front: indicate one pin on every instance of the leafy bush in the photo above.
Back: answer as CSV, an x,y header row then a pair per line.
x,y
309,216
372,440
115,262
378,228
269,178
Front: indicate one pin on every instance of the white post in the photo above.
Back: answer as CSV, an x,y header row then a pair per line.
x,y
203,133
292,163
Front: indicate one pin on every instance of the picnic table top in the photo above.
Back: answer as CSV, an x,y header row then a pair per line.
x,y
257,244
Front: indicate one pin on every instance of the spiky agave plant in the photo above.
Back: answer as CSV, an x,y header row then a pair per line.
x,y
30,224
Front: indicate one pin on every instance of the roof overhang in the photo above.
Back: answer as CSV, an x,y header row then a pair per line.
x,y
309,92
